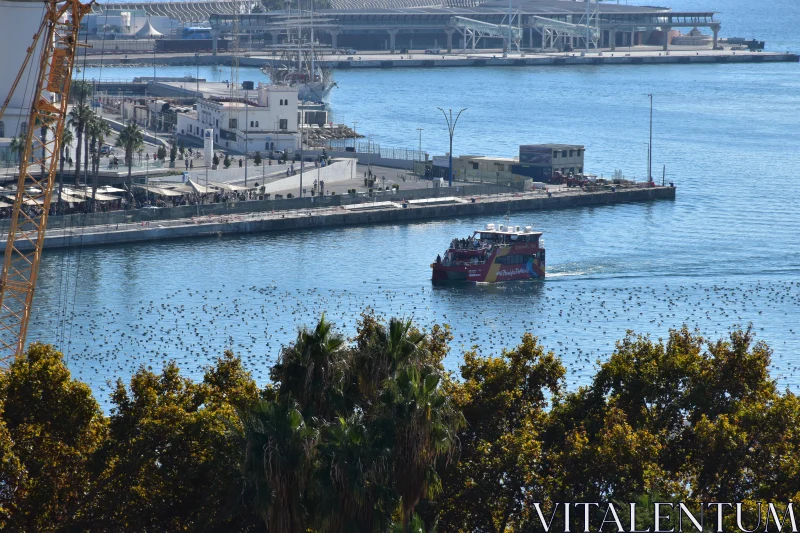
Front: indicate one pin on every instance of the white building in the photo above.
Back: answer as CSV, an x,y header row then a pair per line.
x,y
19,21
267,123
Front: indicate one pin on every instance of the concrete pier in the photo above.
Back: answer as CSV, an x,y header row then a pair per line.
x,y
620,56
389,210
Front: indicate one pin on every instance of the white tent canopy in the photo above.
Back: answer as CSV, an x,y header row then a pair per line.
x,y
158,191
202,189
148,32
228,186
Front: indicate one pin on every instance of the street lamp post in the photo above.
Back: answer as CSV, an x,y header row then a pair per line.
x,y
246,134
302,153
420,143
650,146
451,128
197,74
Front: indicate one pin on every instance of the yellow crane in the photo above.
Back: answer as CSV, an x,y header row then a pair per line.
x,y
59,35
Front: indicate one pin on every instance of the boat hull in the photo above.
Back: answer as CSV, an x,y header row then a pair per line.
x,y
487,273
313,92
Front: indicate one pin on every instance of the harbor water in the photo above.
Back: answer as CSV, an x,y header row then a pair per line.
x,y
724,253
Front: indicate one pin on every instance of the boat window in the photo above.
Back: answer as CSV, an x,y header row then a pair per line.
x,y
514,259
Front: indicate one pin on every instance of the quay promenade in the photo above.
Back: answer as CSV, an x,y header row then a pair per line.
x,y
331,211
475,58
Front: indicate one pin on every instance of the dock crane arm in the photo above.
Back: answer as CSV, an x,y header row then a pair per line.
x,y
59,36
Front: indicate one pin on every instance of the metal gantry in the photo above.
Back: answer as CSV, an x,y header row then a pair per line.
x,y
555,30
59,35
474,30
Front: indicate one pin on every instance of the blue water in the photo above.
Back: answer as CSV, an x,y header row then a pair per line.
x,y
725,252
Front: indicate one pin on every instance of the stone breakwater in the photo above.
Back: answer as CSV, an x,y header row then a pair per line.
x,y
383,212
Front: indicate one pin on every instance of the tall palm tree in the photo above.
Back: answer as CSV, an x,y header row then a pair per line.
x,y
44,122
382,351
79,115
425,425
98,129
275,468
66,140
15,147
351,479
312,370
80,91
131,138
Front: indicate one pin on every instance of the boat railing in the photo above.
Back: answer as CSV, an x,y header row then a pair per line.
x,y
451,262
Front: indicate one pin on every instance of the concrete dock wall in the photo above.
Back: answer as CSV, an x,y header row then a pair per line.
x,y
326,218
608,58
257,206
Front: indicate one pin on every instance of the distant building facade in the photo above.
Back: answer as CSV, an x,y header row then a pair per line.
x,y
539,161
265,124
536,162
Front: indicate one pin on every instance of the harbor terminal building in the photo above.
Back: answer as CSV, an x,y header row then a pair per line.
x,y
266,123
561,24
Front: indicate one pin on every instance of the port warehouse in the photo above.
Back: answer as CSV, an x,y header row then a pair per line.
x,y
437,27
536,162
375,28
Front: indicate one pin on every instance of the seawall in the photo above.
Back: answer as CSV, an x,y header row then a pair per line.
x,y
385,212
683,57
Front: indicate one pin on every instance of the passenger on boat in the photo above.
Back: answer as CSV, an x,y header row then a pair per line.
x,y
438,259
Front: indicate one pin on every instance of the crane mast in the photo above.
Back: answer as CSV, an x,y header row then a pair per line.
x,y
23,251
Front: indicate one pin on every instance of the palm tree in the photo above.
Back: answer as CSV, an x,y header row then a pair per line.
x,y
44,122
98,129
382,351
277,446
425,425
80,91
79,115
349,489
66,140
312,370
131,138
16,146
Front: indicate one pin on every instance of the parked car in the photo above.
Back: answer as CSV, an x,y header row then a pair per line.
x,y
351,51
106,150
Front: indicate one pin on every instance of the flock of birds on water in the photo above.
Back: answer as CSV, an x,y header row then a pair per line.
x,y
577,322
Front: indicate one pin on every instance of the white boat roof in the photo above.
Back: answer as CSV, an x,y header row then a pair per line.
x,y
503,229
508,232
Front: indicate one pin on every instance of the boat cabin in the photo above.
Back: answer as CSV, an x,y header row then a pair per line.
x,y
508,235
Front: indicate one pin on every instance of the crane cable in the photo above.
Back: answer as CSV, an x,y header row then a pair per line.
x,y
67,336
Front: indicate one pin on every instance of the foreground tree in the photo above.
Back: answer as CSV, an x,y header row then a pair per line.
x,y
373,436
499,473
170,462
50,428
342,445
